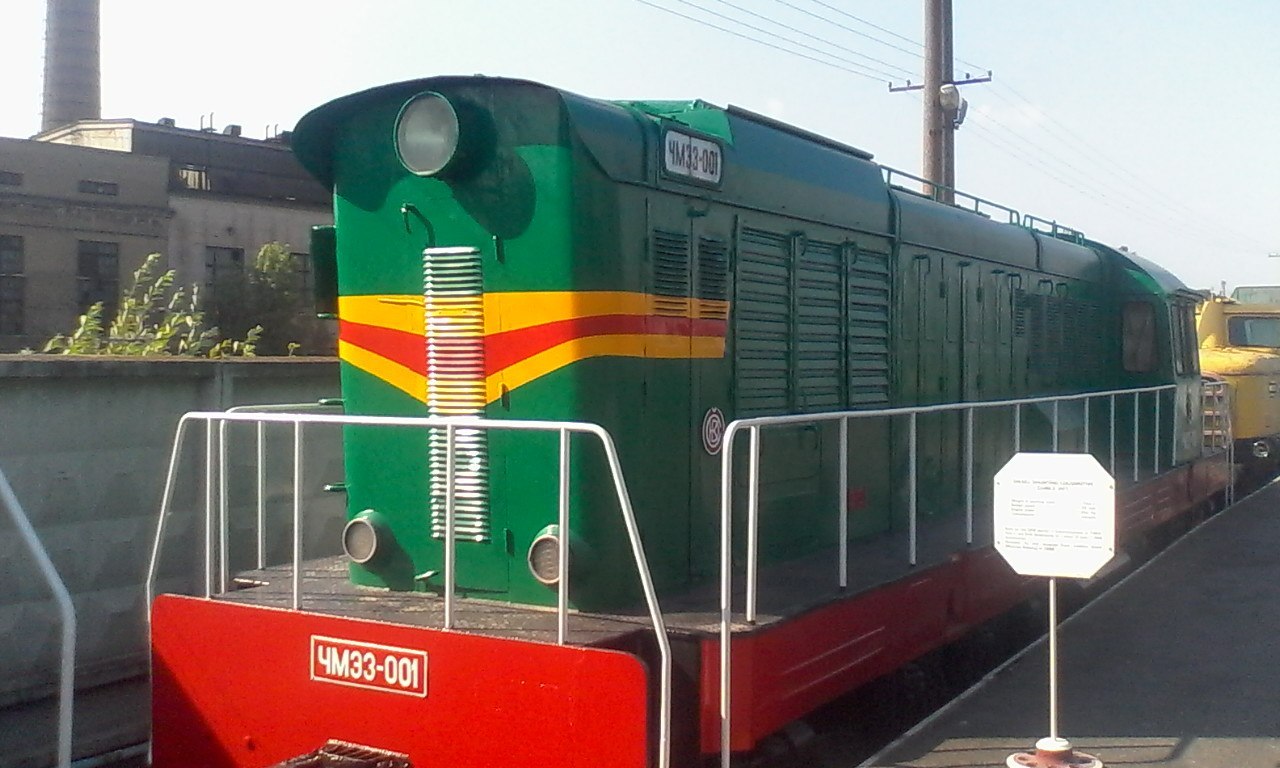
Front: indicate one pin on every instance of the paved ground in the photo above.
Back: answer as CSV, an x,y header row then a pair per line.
x,y
1178,667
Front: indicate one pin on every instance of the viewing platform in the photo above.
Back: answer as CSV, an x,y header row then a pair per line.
x,y
1178,666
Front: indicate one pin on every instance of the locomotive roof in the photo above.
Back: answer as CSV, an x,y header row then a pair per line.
x,y
313,135
766,152
849,189
1158,279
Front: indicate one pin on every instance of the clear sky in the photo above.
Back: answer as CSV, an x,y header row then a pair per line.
x,y
1143,123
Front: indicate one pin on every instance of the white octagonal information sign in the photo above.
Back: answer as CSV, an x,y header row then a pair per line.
x,y
1055,515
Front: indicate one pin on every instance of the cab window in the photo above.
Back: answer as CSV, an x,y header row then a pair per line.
x,y
1244,331
1186,358
1139,337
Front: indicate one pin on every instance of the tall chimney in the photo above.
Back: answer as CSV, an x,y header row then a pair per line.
x,y
72,85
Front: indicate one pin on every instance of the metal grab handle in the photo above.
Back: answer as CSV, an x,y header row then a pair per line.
x,y
66,613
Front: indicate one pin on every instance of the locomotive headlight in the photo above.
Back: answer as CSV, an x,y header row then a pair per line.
x,y
365,537
427,133
544,556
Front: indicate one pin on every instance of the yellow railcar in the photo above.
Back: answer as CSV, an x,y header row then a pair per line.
x,y
1240,342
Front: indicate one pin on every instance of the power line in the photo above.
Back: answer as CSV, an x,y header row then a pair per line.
x,y
754,28
1191,218
819,39
864,73
918,54
989,137
1086,183
1092,193
1100,184
847,28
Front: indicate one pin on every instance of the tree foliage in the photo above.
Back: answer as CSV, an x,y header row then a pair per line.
x,y
153,318
271,294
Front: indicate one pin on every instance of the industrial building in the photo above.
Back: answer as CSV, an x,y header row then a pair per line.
x,y
85,201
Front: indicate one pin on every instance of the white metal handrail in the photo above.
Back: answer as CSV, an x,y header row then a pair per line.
x,y
66,613
1219,393
260,483
753,426
450,425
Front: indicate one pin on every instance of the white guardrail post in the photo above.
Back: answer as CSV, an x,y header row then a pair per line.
x,y
756,427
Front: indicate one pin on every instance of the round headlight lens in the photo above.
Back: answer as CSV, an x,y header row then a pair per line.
x,y
427,134
544,557
362,537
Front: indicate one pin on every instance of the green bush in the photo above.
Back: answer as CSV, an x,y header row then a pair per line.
x,y
270,294
154,318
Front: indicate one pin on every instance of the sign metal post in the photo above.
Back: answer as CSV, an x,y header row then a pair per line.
x,y
1054,517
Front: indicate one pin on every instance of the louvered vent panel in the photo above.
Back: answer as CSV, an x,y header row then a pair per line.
x,y
453,293
819,310
762,323
1051,344
1091,335
713,277
1037,331
868,324
670,273
1020,302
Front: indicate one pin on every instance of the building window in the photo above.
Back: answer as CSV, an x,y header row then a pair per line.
x,y
12,285
221,265
98,275
302,269
90,187
10,179
194,177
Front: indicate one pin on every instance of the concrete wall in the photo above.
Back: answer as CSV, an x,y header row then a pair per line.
x,y
85,444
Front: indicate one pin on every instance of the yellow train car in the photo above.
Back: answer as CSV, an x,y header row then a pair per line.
x,y
1240,342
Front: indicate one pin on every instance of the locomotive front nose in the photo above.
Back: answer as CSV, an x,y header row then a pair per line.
x,y
427,134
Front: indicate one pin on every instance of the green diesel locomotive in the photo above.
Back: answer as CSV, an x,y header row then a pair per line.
x,y
654,267
516,261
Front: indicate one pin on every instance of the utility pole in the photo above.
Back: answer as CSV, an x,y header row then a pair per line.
x,y
938,137
943,107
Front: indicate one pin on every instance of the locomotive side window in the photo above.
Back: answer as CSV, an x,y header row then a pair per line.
x,y
1179,339
1253,331
1193,343
1139,337
1185,348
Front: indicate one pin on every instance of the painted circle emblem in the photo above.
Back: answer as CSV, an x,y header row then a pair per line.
x,y
712,431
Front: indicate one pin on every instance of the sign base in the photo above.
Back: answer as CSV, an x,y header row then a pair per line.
x,y
1052,753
